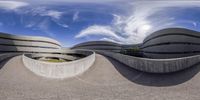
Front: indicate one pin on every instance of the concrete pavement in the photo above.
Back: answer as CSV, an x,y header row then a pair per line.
x,y
107,79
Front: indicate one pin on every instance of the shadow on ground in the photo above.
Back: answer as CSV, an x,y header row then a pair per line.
x,y
157,80
3,62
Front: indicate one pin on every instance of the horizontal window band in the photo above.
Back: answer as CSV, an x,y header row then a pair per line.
x,y
31,52
29,40
27,46
67,53
189,35
189,52
170,43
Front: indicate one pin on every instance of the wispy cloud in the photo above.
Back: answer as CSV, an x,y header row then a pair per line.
x,y
109,39
98,30
135,27
30,25
44,27
12,5
44,11
76,1
41,13
53,14
63,25
76,16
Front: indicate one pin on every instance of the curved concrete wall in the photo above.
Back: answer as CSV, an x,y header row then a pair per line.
x,y
58,70
172,43
99,45
154,65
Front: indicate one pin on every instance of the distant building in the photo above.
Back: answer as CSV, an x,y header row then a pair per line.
x,y
99,45
172,43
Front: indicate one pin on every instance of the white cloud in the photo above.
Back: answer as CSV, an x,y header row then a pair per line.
x,y
42,11
135,27
111,40
12,5
53,14
30,25
194,24
76,16
117,19
98,30
63,25
142,10
44,26
76,1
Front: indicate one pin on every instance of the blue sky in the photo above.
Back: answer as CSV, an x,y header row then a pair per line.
x,y
74,21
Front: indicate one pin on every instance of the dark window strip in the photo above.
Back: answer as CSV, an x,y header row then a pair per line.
x,y
184,34
29,40
188,52
170,43
67,53
27,46
31,52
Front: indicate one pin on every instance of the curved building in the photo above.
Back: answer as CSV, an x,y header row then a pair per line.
x,y
172,43
40,54
167,50
13,43
99,45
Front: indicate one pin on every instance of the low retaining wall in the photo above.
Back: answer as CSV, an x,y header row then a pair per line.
x,y
154,65
59,70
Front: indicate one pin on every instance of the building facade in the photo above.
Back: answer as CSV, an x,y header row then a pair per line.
x,y
99,45
172,43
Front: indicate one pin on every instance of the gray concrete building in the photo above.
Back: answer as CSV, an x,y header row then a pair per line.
x,y
99,45
37,51
167,50
104,75
172,43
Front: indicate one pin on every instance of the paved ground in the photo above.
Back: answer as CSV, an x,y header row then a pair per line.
x,y
106,80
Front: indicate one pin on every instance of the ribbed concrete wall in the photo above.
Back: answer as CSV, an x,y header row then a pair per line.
x,y
33,49
29,38
172,43
27,43
14,44
154,65
58,70
31,44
